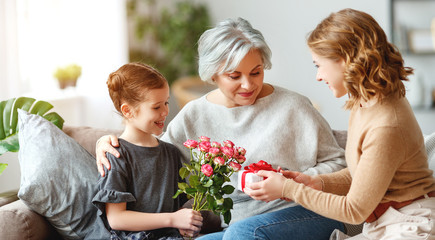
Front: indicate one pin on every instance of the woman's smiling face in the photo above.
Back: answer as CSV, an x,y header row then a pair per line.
x,y
242,87
331,72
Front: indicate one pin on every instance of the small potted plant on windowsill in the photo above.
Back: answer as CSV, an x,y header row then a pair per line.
x,y
68,75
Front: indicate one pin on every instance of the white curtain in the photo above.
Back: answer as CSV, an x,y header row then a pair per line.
x,y
37,36
10,82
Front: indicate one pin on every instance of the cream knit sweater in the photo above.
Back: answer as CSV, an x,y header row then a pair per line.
x,y
282,128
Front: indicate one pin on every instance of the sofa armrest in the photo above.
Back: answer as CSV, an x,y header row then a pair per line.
x,y
8,197
17,221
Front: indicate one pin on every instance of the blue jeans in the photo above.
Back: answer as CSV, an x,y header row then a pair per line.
x,y
289,223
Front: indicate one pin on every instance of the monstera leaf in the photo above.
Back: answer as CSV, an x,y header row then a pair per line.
x,y
9,121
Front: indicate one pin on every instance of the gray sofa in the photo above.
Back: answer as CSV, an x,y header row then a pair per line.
x,y
17,221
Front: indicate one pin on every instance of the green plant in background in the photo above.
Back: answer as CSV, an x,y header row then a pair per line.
x,y
169,36
9,121
68,75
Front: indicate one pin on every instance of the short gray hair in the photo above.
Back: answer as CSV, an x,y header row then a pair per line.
x,y
222,48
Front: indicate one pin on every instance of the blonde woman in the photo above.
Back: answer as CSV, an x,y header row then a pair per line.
x,y
387,184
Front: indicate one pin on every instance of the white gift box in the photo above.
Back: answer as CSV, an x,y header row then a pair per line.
x,y
249,178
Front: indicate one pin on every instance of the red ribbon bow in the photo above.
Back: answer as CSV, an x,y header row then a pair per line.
x,y
254,168
261,165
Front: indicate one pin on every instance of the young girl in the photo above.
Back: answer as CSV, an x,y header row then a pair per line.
x,y
135,198
387,183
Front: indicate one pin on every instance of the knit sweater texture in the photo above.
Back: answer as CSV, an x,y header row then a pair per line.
x,y
282,128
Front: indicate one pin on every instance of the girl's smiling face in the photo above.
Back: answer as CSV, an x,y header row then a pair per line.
x,y
150,115
331,72
243,86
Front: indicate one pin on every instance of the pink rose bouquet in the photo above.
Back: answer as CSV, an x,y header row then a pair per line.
x,y
211,165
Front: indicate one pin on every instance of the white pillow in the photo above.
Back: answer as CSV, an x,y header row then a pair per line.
x,y
58,178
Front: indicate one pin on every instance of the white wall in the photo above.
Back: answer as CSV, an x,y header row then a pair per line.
x,y
285,25
53,33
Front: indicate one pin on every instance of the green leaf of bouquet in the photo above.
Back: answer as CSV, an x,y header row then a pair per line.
x,y
211,202
184,172
201,189
193,180
177,193
214,190
217,195
182,186
228,203
191,191
218,181
208,184
197,167
220,201
227,217
227,179
228,189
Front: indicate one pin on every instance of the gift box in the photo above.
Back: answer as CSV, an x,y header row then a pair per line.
x,y
249,176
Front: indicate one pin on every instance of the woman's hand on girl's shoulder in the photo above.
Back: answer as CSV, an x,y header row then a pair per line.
x,y
105,144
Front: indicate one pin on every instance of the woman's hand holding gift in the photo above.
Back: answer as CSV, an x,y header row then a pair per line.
x,y
271,188
268,189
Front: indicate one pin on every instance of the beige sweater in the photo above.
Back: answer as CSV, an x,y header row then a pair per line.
x,y
386,161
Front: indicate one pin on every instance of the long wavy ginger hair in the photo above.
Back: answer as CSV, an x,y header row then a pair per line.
x,y
373,66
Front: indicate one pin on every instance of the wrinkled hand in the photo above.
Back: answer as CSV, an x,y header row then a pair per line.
x,y
310,181
188,222
105,144
266,190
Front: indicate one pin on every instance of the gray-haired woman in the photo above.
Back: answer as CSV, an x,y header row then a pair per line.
x,y
272,123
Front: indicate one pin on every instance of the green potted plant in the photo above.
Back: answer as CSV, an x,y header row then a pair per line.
x,y
9,121
68,75
167,37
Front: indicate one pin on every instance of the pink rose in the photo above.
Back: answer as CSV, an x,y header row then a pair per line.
x,y
235,166
207,170
228,143
204,139
220,161
204,146
190,144
216,144
229,152
214,151
241,159
241,151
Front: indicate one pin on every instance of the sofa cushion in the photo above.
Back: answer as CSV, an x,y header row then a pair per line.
x,y
88,136
17,221
58,178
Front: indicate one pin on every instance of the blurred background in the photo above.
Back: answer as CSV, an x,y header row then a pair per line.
x,y
38,38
